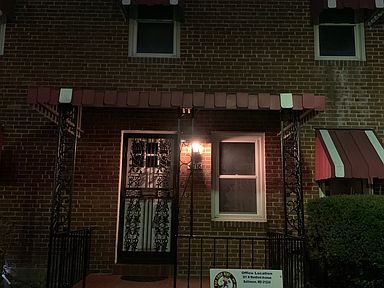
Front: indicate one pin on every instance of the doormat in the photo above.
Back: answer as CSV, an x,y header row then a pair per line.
x,y
138,278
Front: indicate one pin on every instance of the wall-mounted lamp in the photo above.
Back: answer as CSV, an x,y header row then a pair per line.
x,y
196,147
196,160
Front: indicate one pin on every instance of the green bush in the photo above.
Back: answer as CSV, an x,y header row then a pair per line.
x,y
346,238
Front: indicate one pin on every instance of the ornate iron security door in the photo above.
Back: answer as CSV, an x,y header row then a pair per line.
x,y
147,207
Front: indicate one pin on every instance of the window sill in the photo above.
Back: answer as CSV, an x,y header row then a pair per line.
x,y
335,62
153,55
219,223
357,58
161,60
238,218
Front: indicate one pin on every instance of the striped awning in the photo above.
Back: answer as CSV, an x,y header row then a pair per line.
x,y
348,153
149,2
6,6
319,5
175,99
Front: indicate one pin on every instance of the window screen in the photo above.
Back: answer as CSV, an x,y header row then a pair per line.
x,y
238,171
237,196
237,158
339,35
155,37
237,163
337,40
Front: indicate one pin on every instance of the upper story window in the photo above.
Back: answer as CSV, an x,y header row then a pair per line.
x,y
339,36
154,32
2,34
238,177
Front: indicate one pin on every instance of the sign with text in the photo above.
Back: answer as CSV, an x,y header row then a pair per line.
x,y
245,278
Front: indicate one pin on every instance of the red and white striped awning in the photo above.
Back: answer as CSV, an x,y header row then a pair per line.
x,y
319,5
348,153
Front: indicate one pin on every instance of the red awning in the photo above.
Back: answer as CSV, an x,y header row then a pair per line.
x,y
175,99
6,6
348,154
319,5
149,2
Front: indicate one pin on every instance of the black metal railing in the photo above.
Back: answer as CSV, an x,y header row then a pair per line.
x,y
287,253
198,254
69,257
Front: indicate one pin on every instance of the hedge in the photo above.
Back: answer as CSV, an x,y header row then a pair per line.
x,y
346,233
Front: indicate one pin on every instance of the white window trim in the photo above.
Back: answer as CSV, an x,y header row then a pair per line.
x,y
2,34
259,140
359,42
132,48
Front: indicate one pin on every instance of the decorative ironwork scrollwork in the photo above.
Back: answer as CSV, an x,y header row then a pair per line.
x,y
64,170
292,177
132,224
161,225
148,186
165,153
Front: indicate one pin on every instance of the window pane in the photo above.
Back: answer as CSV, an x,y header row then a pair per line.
x,y
337,40
237,158
151,161
237,196
155,38
152,148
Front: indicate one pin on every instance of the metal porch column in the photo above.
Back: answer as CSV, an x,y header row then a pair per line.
x,y
185,129
292,176
68,120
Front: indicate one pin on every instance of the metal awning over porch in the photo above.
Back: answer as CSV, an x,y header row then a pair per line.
x,y
175,99
348,153
292,109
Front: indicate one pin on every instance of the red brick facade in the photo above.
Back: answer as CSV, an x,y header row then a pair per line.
x,y
230,46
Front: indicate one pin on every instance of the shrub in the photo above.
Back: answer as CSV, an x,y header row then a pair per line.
x,y
346,237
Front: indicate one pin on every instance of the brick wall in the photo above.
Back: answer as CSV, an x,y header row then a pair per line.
x,y
226,45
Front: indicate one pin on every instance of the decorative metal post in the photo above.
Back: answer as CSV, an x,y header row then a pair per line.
x,y
186,129
65,168
292,177
64,173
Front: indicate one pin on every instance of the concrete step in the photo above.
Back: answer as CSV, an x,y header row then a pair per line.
x,y
143,272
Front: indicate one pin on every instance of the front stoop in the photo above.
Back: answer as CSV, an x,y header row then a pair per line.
x,y
114,281
143,272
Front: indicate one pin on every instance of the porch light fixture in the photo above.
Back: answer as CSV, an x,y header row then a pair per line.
x,y
196,147
196,150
